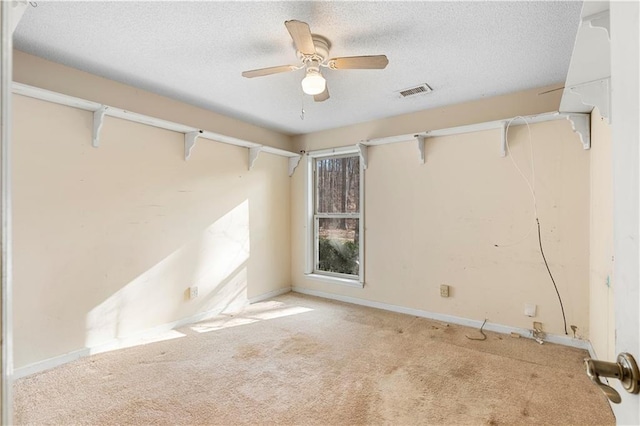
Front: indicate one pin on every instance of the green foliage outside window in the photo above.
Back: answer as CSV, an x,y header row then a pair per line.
x,y
335,256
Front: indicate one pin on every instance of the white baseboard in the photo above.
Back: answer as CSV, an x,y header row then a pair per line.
x,y
498,328
151,335
39,366
148,335
140,338
143,337
269,295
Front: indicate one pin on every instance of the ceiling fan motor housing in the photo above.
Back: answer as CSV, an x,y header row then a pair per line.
x,y
322,46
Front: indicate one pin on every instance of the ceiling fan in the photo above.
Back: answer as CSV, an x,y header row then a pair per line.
x,y
313,51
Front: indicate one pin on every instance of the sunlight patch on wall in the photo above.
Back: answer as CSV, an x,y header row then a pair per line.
x,y
215,262
229,295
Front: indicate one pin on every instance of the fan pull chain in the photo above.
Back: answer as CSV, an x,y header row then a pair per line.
x,y
302,107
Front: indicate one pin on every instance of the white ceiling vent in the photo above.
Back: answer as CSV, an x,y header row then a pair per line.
x,y
422,89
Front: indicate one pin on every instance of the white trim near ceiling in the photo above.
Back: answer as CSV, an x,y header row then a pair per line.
x,y
191,134
580,123
54,97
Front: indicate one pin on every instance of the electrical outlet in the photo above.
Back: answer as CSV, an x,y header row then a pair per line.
x,y
530,309
444,290
537,326
193,292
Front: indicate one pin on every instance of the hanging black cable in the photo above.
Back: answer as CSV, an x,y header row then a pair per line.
x,y
484,336
531,185
564,318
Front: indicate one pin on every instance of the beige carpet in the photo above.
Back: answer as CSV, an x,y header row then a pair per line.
x,y
302,360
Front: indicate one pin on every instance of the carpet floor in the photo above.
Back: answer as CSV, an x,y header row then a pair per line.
x,y
303,360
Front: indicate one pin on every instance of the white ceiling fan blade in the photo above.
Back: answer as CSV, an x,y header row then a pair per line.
x,y
377,62
301,35
268,71
322,96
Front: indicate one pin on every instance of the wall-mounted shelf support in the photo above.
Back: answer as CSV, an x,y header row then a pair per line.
x,y
600,20
17,11
580,121
253,155
420,139
189,142
582,126
364,155
595,93
503,142
293,163
98,121
191,134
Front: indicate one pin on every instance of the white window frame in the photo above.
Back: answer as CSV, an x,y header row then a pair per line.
x,y
312,241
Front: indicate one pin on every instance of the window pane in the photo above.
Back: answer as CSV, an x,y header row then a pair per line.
x,y
338,185
338,245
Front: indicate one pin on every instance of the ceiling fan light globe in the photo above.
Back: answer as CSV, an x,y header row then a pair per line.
x,y
313,84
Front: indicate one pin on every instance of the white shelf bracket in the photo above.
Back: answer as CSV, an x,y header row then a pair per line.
x,y
597,94
17,11
293,163
503,143
364,156
582,126
599,20
420,139
253,155
98,121
189,142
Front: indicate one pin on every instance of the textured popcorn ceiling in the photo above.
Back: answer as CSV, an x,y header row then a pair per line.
x,y
195,52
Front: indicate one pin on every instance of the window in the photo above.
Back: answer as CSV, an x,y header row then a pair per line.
x,y
336,215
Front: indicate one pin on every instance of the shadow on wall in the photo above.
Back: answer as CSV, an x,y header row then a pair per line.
x,y
215,261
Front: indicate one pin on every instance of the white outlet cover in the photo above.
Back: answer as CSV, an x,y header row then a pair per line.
x,y
193,292
530,309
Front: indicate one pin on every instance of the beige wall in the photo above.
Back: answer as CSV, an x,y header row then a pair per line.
x,y
107,240
438,223
601,282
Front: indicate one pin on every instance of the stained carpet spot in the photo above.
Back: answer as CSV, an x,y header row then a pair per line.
x,y
300,344
247,353
391,369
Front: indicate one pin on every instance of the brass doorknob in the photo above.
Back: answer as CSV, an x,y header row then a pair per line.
x,y
625,370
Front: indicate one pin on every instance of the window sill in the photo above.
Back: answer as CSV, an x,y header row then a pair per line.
x,y
335,280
